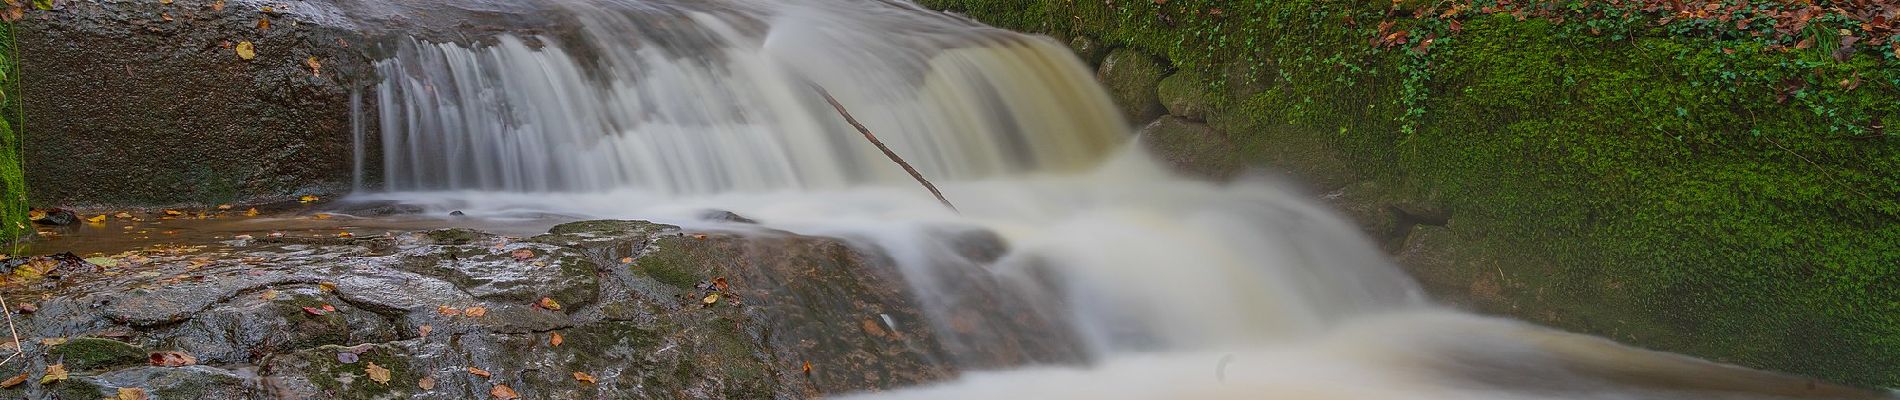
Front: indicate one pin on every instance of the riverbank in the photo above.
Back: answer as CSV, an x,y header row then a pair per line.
x,y
1723,196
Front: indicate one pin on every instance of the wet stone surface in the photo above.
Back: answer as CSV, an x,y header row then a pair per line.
x,y
640,310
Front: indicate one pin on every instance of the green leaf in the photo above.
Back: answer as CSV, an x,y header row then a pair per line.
x,y
45,5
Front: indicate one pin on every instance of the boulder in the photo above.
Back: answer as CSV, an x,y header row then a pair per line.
x,y
1131,78
1192,148
1185,95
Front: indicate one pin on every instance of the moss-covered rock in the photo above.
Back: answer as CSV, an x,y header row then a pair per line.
x,y
82,354
1191,147
1131,77
1186,95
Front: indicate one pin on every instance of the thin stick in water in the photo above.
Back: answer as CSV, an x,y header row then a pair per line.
x,y
880,146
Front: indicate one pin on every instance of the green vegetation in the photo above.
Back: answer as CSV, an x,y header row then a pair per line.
x,y
13,209
84,354
1682,186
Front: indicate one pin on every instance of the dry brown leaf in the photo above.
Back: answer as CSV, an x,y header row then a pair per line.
x,y
132,393
423,331
217,5
554,339
476,312
269,294
523,254
165,16
584,377
16,380
448,311
263,24
377,373
426,383
479,372
246,51
55,372
807,368
502,392
172,359
720,284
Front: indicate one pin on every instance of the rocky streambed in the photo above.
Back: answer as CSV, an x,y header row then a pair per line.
x,y
592,309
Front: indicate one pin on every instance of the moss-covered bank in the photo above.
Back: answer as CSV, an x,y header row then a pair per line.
x,y
12,177
1699,193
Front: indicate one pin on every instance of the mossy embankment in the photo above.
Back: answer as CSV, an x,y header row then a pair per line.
x,y
1672,186
12,176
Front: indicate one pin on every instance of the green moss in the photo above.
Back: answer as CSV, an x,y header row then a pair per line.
x,y
13,207
455,236
678,261
1688,193
352,380
85,354
78,389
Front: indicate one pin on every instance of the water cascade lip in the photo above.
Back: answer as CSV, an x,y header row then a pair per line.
x,y
662,112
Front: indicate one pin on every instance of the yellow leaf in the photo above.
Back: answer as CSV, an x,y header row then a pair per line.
x,y
222,207
345,235
584,377
134,393
263,24
55,372
246,50
97,220
426,383
174,213
308,198
316,68
326,286
555,339
377,373
502,392
16,380
52,341
269,294
165,2
710,299
479,372
251,212
123,215
35,215
320,216
550,304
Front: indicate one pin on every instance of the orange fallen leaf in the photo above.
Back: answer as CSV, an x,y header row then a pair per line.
x,y
479,372
263,24
807,368
345,235
549,303
315,311
132,393
522,254
426,383
174,213
16,380
720,283
308,199
326,286
251,212
55,372
502,392
626,260
584,377
217,5
172,359
423,331
316,68
448,311
554,339
377,373
222,207
476,312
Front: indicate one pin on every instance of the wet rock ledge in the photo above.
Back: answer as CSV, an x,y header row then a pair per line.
x,y
595,309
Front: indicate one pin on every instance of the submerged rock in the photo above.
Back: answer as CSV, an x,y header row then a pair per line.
x,y
637,309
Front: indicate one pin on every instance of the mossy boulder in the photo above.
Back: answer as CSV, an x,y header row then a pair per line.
x,y
1088,49
1186,95
1132,77
85,354
1191,147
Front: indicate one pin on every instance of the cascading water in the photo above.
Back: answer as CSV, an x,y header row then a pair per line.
x,y
660,111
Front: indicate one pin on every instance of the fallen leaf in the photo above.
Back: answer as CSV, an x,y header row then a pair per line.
x,y
475,312
523,254
807,368
174,213
165,16
165,2
326,286
263,24
308,199
479,372
502,392
423,331
55,372
584,377
710,299
251,212
43,5
426,383
626,260
699,236
222,207
328,308
27,308
549,303
52,341
554,339
269,294
448,311
103,261
217,6
377,373
314,311
345,235
316,68
133,393
246,50
123,215
16,380
99,219
172,359
719,283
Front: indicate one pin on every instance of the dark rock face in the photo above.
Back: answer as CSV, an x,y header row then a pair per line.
x,y
1132,77
643,309
138,103
1191,147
